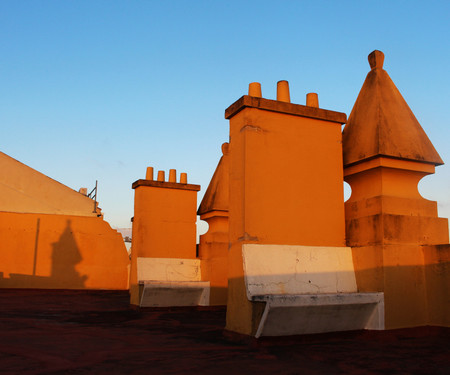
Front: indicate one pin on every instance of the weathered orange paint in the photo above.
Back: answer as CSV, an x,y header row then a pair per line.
x,y
286,176
213,247
388,187
61,252
396,235
25,190
163,224
385,125
213,252
286,186
437,276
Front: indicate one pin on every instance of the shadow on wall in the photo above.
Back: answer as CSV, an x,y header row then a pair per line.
x,y
416,294
65,255
61,252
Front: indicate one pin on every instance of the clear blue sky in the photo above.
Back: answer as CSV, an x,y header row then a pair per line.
x,y
99,90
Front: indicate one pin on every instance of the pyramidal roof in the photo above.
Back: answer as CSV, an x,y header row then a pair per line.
x,y
382,124
216,196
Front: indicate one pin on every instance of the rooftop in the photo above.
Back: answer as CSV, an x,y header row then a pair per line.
x,y
98,332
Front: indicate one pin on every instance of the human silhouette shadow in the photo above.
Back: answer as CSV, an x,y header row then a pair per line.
x,y
65,256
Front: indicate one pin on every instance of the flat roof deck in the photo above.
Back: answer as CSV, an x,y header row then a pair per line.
x,y
98,332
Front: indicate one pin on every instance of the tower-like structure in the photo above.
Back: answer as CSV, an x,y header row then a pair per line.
x,y
163,235
388,224
286,185
213,246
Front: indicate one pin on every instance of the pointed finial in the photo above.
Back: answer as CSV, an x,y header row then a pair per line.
x,y
376,59
225,148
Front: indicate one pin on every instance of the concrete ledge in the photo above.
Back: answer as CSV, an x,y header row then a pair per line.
x,y
165,184
288,269
305,314
177,293
308,289
168,269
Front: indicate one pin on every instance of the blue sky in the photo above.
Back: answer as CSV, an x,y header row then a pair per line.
x,y
99,90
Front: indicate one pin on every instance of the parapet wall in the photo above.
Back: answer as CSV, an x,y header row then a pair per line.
x,y
61,252
52,236
25,190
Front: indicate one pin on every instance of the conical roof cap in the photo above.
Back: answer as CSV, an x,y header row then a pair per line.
x,y
382,124
216,196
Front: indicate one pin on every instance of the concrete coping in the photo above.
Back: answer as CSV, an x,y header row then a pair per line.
x,y
168,269
247,101
177,293
183,284
290,269
305,314
308,289
165,184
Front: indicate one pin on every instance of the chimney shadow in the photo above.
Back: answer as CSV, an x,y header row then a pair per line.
x,y
64,257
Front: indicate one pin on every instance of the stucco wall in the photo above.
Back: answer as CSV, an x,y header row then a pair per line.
x,y
25,190
61,252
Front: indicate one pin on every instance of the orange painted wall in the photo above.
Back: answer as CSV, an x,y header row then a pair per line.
x,y
414,280
164,221
213,246
25,190
437,275
286,178
61,252
213,252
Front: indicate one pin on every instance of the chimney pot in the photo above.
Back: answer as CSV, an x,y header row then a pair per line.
x,y
312,100
283,91
172,175
149,174
254,89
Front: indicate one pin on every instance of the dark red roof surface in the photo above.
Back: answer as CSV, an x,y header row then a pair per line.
x,y
98,332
